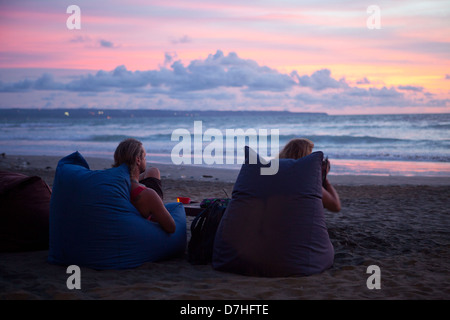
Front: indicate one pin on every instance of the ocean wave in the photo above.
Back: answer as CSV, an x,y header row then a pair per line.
x,y
336,140
440,126
106,137
282,138
414,138
339,139
120,137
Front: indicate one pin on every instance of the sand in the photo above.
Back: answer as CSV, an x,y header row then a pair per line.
x,y
400,224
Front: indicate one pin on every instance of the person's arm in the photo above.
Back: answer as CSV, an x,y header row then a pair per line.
x,y
330,197
150,172
149,203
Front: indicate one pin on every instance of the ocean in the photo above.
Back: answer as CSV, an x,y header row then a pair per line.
x,y
406,144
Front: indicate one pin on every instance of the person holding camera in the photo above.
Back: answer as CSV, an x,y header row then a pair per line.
x,y
300,147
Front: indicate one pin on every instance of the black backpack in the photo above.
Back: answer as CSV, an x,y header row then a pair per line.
x,y
203,232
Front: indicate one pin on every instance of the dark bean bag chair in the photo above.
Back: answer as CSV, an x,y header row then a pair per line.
x,y
275,224
94,224
24,212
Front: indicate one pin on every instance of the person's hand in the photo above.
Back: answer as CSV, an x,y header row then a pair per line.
x,y
325,184
328,166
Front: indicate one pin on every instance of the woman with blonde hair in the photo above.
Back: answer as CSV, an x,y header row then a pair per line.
x,y
146,191
300,147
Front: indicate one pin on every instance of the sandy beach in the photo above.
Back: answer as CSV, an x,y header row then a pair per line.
x,y
400,224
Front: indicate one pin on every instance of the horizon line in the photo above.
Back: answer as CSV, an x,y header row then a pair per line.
x,y
215,110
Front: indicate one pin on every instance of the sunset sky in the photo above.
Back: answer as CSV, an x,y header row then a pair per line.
x,y
227,55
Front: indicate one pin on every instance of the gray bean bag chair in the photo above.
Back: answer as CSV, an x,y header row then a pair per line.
x,y
275,224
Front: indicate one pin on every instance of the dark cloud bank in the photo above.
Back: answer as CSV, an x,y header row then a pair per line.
x,y
230,74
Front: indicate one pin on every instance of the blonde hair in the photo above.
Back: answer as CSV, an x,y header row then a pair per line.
x,y
296,148
127,151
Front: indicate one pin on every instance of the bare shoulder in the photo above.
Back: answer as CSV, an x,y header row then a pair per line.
x,y
150,194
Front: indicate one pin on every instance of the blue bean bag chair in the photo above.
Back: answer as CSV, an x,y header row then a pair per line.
x,y
275,225
94,224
